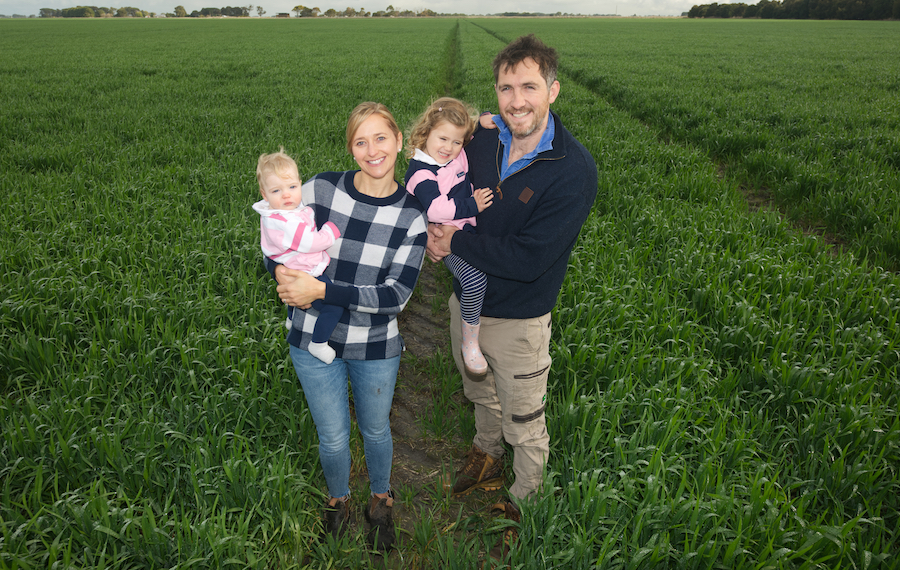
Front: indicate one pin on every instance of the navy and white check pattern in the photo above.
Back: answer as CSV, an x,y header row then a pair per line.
x,y
374,265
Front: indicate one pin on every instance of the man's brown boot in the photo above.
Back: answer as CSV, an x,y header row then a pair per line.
x,y
480,471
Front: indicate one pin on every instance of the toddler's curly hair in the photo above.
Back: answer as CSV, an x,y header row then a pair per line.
x,y
444,109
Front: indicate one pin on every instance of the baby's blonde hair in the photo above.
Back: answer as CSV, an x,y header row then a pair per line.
x,y
445,109
277,162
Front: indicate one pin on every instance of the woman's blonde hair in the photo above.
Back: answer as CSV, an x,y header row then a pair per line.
x,y
445,109
362,112
278,162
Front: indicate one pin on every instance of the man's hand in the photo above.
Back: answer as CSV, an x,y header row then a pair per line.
x,y
439,237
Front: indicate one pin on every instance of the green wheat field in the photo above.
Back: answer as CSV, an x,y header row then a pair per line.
x,y
724,391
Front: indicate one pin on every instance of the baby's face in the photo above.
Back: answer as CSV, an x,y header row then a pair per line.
x,y
282,192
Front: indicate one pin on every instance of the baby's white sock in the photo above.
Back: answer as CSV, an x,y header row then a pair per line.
x,y
322,351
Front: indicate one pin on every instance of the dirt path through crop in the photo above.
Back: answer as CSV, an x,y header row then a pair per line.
x,y
421,457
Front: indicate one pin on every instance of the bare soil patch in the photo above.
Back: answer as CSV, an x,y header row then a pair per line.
x,y
763,198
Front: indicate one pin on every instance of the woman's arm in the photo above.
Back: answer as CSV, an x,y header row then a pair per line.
x,y
394,285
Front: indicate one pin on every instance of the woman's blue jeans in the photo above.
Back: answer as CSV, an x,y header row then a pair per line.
x,y
325,388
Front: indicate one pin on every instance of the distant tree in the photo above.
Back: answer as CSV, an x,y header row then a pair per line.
x,y
180,12
881,10
767,9
349,12
332,13
795,9
129,12
78,12
49,13
260,11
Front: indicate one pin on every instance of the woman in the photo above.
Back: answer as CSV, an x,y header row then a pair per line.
x,y
374,267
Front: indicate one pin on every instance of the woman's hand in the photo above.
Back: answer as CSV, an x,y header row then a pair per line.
x,y
439,237
297,288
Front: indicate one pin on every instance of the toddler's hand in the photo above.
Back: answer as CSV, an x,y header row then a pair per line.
x,y
484,197
487,121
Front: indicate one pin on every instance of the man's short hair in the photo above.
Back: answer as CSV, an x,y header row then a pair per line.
x,y
522,48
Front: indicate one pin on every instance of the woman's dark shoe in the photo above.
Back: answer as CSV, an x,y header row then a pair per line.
x,y
337,517
381,521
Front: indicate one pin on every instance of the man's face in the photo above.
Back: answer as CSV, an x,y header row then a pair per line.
x,y
524,98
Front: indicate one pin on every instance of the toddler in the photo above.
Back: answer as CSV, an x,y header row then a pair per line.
x,y
288,235
438,176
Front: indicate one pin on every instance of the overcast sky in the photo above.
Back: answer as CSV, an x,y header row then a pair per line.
x,y
473,7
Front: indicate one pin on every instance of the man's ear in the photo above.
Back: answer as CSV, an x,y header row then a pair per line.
x,y
554,91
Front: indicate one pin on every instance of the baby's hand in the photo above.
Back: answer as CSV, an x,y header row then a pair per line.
x,y
484,197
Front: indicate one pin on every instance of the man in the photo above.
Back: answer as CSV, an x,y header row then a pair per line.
x,y
544,185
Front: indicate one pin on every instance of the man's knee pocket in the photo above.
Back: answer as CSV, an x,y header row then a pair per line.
x,y
526,415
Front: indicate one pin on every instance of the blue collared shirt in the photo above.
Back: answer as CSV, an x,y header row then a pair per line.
x,y
546,143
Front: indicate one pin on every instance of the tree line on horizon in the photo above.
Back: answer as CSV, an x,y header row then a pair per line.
x,y
299,11
802,10
131,12
229,12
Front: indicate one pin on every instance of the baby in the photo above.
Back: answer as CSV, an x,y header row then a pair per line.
x,y
288,235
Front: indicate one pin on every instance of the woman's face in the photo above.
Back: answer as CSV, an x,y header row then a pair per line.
x,y
375,147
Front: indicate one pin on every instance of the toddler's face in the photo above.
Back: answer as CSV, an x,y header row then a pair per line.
x,y
444,142
282,192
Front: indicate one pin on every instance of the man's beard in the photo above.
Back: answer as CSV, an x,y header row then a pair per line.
x,y
527,130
